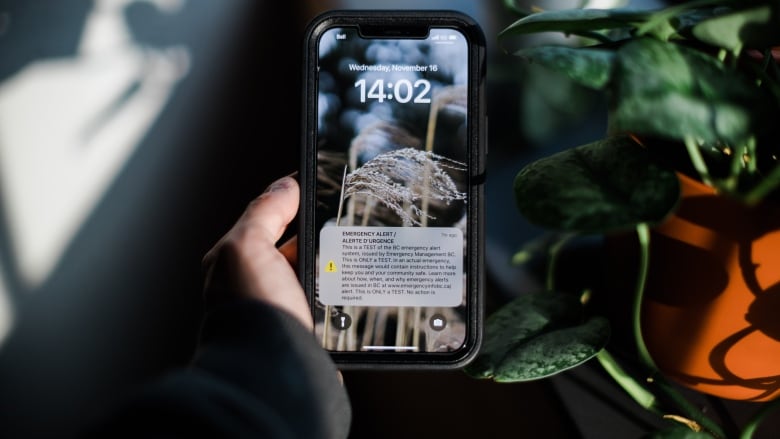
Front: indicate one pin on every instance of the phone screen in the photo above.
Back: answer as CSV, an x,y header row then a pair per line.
x,y
392,198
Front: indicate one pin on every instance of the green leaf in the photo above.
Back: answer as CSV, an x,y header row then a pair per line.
x,y
610,184
588,67
685,21
512,6
675,115
554,352
751,27
521,320
575,21
669,90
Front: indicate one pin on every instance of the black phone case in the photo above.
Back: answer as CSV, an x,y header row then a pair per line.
x,y
399,22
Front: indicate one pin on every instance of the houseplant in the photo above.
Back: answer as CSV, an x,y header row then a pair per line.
x,y
693,94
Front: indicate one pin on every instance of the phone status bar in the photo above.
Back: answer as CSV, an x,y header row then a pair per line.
x,y
436,36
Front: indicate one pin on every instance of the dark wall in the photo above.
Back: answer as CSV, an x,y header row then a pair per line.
x,y
123,304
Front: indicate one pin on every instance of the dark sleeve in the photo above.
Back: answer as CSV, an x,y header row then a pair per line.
x,y
258,373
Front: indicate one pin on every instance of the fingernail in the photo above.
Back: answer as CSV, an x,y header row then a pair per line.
x,y
281,184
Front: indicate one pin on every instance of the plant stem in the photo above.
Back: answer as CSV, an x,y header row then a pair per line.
x,y
552,259
669,12
752,164
755,421
766,186
690,411
697,160
737,162
744,160
643,233
638,392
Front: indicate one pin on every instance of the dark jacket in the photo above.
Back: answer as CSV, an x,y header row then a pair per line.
x,y
258,373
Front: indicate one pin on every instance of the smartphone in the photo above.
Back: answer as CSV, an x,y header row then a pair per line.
x,y
392,177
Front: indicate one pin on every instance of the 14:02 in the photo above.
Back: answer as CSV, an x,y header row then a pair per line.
x,y
402,91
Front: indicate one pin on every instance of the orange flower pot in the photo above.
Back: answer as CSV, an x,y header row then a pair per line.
x,y
711,315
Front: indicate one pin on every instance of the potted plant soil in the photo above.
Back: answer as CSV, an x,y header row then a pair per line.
x,y
683,187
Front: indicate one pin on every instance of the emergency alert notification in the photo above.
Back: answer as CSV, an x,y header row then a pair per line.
x,y
391,266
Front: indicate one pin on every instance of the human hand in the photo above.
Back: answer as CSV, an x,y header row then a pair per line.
x,y
246,262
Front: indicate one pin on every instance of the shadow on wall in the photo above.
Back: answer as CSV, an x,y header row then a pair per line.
x,y
132,134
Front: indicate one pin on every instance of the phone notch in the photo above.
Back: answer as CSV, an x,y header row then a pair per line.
x,y
394,31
